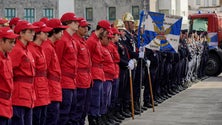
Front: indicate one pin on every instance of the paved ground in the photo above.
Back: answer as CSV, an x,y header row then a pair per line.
x,y
200,104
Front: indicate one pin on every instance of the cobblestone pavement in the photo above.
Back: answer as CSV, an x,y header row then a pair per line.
x,y
200,104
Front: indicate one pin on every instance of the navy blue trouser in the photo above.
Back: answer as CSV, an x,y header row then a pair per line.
x,y
53,113
39,115
106,100
22,115
96,97
82,105
114,93
4,121
68,106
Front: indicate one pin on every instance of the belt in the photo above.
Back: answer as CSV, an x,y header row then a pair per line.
x,y
54,78
109,75
5,95
83,70
97,65
68,74
40,73
27,79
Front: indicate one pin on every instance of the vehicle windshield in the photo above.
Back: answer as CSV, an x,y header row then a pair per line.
x,y
200,24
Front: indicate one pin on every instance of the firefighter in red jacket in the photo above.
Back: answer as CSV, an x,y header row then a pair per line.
x,y
113,49
23,64
67,54
83,78
95,49
53,71
7,42
109,71
40,80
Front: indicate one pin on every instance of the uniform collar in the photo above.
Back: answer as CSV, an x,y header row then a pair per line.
x,y
3,56
19,42
79,38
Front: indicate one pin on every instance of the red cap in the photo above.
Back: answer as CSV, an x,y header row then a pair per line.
x,y
41,27
55,23
6,32
110,34
104,24
115,30
83,23
44,19
14,21
22,25
69,17
3,21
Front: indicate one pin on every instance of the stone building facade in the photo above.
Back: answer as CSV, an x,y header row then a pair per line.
x,y
100,9
22,8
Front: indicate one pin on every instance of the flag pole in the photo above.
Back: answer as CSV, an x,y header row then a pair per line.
x,y
131,93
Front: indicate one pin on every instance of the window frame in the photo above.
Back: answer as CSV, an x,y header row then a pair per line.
x,y
29,14
48,12
197,2
136,16
12,12
112,16
89,10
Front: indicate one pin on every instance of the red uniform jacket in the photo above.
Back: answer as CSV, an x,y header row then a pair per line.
x,y
113,49
96,54
67,54
24,71
40,80
6,86
108,64
53,71
83,78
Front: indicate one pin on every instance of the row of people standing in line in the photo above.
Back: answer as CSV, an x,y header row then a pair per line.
x,y
44,77
100,100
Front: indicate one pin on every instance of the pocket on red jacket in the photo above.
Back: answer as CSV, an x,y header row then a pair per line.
x,y
41,86
25,92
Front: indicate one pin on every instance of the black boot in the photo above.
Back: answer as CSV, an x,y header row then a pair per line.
x,y
100,121
92,120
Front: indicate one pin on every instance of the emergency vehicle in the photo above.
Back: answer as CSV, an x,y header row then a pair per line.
x,y
211,23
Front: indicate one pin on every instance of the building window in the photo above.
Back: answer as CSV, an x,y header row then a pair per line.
x,y
89,14
112,13
135,12
48,12
29,14
214,2
10,13
197,2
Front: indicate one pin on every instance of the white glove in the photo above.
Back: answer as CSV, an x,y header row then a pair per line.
x,y
148,63
141,52
131,64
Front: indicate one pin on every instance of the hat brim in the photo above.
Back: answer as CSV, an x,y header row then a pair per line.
x,y
11,36
46,29
62,27
84,24
31,27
